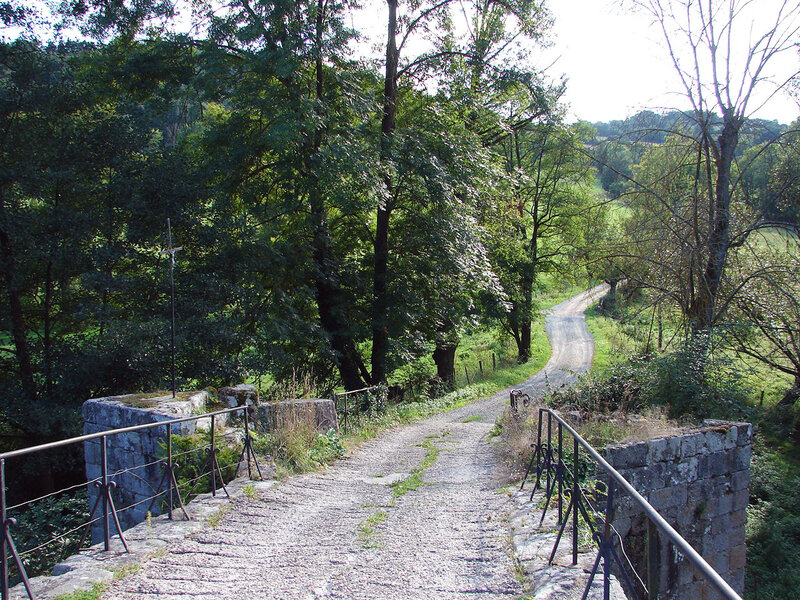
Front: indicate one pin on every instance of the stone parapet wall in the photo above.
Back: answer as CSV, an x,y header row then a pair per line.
x,y
135,459
699,482
141,451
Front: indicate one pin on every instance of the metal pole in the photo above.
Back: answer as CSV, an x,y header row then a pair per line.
x,y
172,305
247,440
549,446
104,491
576,498
4,549
213,460
560,475
171,473
652,560
606,544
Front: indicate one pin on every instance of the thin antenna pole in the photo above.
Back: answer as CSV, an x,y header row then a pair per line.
x,y
170,251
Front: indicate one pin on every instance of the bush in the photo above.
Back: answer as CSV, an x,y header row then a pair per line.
x,y
192,465
298,448
773,529
686,383
45,520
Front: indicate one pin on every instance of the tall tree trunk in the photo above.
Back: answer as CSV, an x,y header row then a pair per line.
x,y
444,357
330,299
330,302
444,353
524,339
17,318
702,310
792,394
380,303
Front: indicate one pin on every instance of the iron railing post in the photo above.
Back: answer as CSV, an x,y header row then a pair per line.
x,y
170,472
213,459
607,541
4,548
560,475
104,492
652,560
576,499
539,447
549,453
247,438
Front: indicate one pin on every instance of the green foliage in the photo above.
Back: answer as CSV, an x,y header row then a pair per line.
x,y
368,529
773,528
414,480
297,448
687,383
192,462
57,517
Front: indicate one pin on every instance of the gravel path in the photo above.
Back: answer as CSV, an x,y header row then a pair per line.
x,y
342,534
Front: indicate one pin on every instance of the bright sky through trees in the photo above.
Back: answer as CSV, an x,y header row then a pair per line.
x,y
616,63
614,60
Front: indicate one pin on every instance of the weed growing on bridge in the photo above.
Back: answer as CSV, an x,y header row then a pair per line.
x,y
414,480
98,588
214,519
368,529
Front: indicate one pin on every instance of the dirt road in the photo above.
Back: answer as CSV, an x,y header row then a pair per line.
x,y
345,533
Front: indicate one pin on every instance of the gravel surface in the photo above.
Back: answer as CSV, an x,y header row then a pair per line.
x,y
342,534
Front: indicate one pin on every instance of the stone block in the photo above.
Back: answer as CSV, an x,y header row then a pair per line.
x,y
723,504
668,497
735,579
239,395
741,499
738,519
714,441
657,450
641,479
714,545
745,431
731,438
629,457
623,526
719,464
691,445
673,449
741,459
685,471
721,525
736,536
740,480
316,413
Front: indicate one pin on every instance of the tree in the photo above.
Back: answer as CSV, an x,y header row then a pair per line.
x,y
534,226
495,29
719,78
768,307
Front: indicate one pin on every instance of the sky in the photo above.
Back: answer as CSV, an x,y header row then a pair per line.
x,y
616,63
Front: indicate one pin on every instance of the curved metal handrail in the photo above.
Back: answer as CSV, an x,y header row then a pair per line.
x,y
696,560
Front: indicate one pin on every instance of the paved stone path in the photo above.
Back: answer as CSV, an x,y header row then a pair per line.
x,y
342,534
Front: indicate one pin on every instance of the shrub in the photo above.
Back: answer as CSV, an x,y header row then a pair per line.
x,y
192,464
57,518
773,529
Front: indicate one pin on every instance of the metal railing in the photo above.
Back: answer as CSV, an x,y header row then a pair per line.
x,y
559,474
347,412
167,489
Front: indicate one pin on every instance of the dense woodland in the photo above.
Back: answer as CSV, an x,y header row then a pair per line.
x,y
344,211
